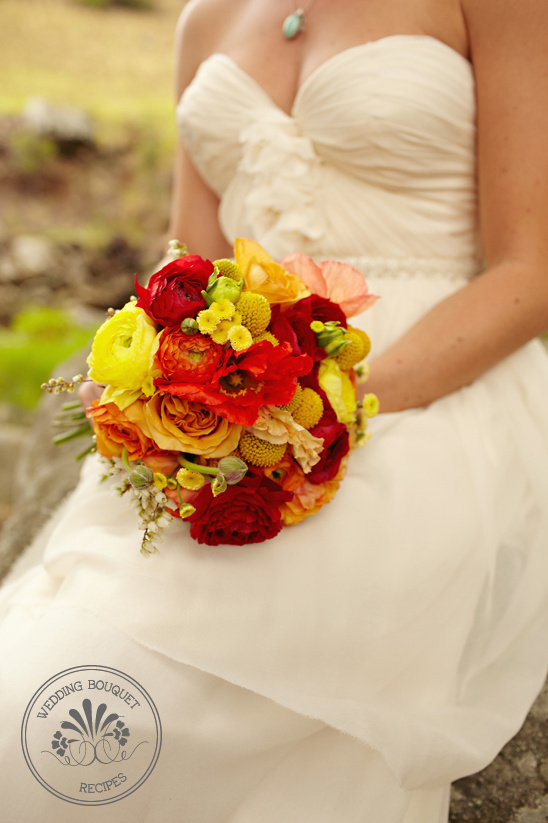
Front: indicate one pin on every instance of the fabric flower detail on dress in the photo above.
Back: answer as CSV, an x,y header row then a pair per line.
x,y
278,179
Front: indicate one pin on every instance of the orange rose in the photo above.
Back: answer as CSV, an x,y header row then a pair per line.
x,y
180,425
115,429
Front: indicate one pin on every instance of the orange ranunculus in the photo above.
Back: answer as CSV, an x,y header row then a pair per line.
x,y
180,425
287,473
188,359
115,429
264,276
308,498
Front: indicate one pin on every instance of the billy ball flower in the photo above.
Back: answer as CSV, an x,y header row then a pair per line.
x,y
309,410
255,312
358,348
260,452
229,268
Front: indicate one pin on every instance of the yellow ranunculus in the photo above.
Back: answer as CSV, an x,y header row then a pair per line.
x,y
339,390
263,275
122,355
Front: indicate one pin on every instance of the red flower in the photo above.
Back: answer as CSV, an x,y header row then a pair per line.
x,y
175,292
182,358
245,513
262,374
293,323
336,443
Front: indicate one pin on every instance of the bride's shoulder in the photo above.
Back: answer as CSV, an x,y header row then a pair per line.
x,y
199,31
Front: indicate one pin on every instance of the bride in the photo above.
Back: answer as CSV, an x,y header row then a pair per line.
x,y
354,666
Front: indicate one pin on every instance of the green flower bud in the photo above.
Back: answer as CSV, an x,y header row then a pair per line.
x,y
141,477
189,326
224,288
232,469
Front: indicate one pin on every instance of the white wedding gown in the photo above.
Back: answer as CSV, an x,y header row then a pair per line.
x,y
349,669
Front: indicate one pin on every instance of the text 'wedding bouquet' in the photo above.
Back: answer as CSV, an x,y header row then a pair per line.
x,y
229,395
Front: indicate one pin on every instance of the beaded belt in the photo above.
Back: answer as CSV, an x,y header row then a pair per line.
x,y
407,268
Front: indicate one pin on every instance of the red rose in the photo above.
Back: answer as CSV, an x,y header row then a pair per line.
x,y
336,443
182,357
246,513
175,292
262,374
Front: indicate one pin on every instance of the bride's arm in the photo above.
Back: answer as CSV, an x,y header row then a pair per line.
x,y
507,305
194,211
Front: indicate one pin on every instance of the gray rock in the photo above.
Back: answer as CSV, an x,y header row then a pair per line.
x,y
32,256
63,124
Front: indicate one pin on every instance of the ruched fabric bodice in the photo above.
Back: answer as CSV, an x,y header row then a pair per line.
x,y
376,158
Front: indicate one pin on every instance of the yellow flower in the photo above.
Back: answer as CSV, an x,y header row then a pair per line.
x,y
122,355
224,310
255,311
207,321
220,332
339,390
240,338
160,480
370,404
264,276
193,481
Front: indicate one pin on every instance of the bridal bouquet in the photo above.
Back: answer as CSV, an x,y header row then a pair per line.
x,y
229,396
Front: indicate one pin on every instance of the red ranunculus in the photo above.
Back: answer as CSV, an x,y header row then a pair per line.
x,y
175,292
182,357
298,318
245,513
336,443
262,374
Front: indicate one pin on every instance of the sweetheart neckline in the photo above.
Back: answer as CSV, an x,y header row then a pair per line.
x,y
367,46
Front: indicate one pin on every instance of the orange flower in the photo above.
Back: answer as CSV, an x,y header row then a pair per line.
x,y
308,498
287,473
183,358
176,424
115,429
264,276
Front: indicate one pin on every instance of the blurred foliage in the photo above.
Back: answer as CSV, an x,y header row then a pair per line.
x,y
30,153
130,4
38,339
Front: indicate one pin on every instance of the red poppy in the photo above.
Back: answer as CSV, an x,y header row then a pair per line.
x,y
262,374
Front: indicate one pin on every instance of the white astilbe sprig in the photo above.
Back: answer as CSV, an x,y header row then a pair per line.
x,y
150,505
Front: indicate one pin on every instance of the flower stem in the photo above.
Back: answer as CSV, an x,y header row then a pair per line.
x,y
195,467
125,460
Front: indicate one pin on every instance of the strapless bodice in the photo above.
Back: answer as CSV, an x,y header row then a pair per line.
x,y
376,158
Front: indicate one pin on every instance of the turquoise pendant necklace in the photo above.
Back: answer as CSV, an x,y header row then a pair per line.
x,y
294,23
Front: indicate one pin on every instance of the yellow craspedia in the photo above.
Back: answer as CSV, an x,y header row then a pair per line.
x,y
207,321
353,353
364,338
229,268
309,409
266,335
255,312
190,480
260,452
240,338
294,402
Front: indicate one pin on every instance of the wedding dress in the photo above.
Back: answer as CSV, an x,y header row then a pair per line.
x,y
349,669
